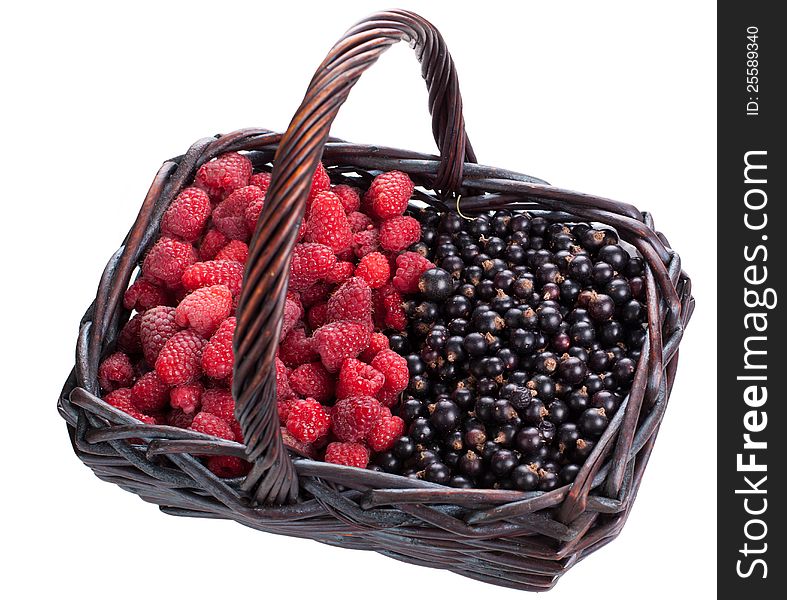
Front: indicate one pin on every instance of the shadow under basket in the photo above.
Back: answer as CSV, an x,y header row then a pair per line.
x,y
522,540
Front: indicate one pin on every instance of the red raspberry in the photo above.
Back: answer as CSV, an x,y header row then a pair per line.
x,y
399,233
394,367
315,294
351,302
353,418
212,425
218,358
283,408
225,174
177,418
149,394
204,309
388,398
340,340
261,180
228,467
186,397
384,433
318,315
349,454
214,272
358,221
378,342
308,420
157,326
180,360
341,272
213,241
409,268
115,372
143,295
312,380
320,183
293,312
282,380
121,399
235,251
348,196
186,216
309,264
253,212
229,217
296,349
366,242
389,194
327,223
389,309
167,260
128,338
358,379
220,403
374,269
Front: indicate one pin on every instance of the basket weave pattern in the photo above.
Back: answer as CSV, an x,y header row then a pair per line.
x,y
524,540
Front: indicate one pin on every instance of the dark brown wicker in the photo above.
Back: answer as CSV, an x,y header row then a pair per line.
x,y
509,538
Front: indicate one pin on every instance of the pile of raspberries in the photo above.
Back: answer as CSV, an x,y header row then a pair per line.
x,y
336,376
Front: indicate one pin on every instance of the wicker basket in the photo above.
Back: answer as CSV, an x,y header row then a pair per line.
x,y
509,538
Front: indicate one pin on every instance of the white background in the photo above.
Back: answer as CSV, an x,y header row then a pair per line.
x,y
613,99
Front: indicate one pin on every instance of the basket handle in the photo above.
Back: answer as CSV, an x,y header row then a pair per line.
x,y
273,478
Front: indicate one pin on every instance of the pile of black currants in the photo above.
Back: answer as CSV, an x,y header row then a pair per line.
x,y
521,345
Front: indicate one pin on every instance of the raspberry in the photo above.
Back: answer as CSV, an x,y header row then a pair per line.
x,y
282,380
348,196
308,420
384,433
388,398
212,425
353,418
186,216
177,418
315,294
283,408
228,467
312,380
292,314
394,367
296,349
389,194
340,272
214,272
366,242
253,212
180,360
389,309
327,223
261,180
409,268
186,397
143,295
309,264
318,315
115,372
204,309
167,260
128,338
213,241
358,379
377,342
149,394
235,251
227,173
218,358
340,340
220,403
351,302
157,326
349,454
121,399
374,269
399,233
229,217
320,182
358,221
